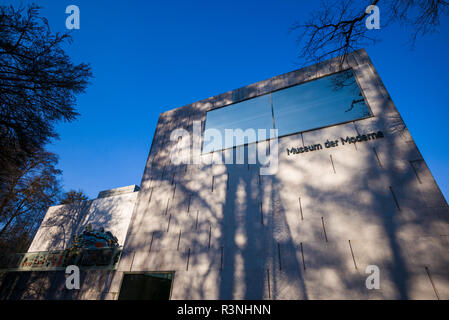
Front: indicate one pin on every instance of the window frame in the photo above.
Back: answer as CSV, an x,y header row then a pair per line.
x,y
272,112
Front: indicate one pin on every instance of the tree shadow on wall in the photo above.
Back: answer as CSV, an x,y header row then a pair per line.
x,y
307,232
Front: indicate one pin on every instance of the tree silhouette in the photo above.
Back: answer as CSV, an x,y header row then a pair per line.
x,y
28,192
338,27
38,88
38,82
73,196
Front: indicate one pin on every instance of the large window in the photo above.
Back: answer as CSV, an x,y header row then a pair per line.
x,y
250,114
315,104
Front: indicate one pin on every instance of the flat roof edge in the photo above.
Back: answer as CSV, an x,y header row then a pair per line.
x,y
264,86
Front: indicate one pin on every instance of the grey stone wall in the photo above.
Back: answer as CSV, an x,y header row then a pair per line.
x,y
61,222
308,232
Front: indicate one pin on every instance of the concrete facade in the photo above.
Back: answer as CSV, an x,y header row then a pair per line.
x,y
51,285
310,230
112,210
307,232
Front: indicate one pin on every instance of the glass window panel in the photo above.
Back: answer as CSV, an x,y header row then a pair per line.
x,y
327,101
250,114
319,103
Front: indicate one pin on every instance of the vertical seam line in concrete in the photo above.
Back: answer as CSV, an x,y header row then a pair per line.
x,y
151,195
431,282
188,206
324,228
169,220
196,223
188,260
302,255
377,157
210,235
300,208
179,239
332,161
166,208
395,199
151,242
414,170
352,254
279,255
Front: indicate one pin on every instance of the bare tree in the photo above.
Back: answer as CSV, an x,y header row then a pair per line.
x,y
38,82
73,196
25,197
38,88
338,27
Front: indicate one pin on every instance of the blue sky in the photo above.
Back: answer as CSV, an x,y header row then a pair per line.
x,y
152,56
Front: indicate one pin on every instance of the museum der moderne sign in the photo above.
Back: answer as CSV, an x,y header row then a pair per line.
x,y
336,143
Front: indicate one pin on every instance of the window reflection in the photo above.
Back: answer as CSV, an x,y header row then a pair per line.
x,y
250,114
319,103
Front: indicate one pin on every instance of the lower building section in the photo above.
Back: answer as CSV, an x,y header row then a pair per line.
x,y
339,270
415,268
51,285
146,286
340,204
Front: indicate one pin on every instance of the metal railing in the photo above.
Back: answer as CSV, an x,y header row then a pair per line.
x,y
92,258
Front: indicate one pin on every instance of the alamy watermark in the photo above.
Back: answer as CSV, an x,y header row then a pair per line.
x,y
261,146
373,20
73,20
72,281
373,280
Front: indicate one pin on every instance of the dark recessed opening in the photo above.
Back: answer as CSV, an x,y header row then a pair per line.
x,y
146,286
